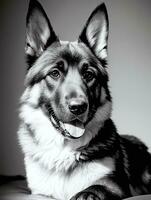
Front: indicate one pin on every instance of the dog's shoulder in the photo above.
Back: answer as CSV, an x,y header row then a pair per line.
x,y
137,164
134,140
133,145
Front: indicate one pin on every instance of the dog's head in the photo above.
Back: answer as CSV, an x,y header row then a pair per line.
x,y
71,76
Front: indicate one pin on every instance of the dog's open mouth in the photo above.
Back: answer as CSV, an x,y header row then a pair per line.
x,y
75,128
72,130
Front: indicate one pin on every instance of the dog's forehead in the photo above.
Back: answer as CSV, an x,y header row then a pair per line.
x,y
73,47
75,52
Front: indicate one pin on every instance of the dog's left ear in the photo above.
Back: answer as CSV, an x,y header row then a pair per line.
x,y
95,32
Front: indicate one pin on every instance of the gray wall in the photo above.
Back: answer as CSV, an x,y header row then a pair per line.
x,y
129,64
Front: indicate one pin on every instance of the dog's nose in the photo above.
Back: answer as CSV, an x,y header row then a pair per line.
x,y
77,106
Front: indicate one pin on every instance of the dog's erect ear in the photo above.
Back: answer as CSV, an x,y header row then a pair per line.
x,y
39,32
95,32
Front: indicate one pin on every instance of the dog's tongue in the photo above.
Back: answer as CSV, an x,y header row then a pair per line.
x,y
76,129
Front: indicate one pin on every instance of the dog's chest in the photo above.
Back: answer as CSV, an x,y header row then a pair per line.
x,y
63,185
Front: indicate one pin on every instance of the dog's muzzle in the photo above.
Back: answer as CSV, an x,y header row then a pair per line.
x,y
75,130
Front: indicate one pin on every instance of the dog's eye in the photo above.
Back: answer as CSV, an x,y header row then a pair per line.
x,y
55,73
88,75
85,66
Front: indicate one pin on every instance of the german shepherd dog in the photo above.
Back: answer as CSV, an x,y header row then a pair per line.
x,y
71,147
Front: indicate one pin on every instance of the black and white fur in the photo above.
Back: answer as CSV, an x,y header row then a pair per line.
x,y
101,164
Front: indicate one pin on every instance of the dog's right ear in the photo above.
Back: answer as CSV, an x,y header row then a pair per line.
x,y
39,32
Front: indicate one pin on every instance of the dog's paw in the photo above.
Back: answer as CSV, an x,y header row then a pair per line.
x,y
85,196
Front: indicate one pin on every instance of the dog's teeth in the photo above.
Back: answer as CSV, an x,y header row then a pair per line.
x,y
74,130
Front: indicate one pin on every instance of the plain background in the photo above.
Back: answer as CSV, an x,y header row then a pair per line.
x,y
129,64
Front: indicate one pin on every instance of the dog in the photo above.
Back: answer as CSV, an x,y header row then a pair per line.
x,y
72,150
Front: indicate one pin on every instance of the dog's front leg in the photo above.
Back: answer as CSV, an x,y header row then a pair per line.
x,y
96,192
